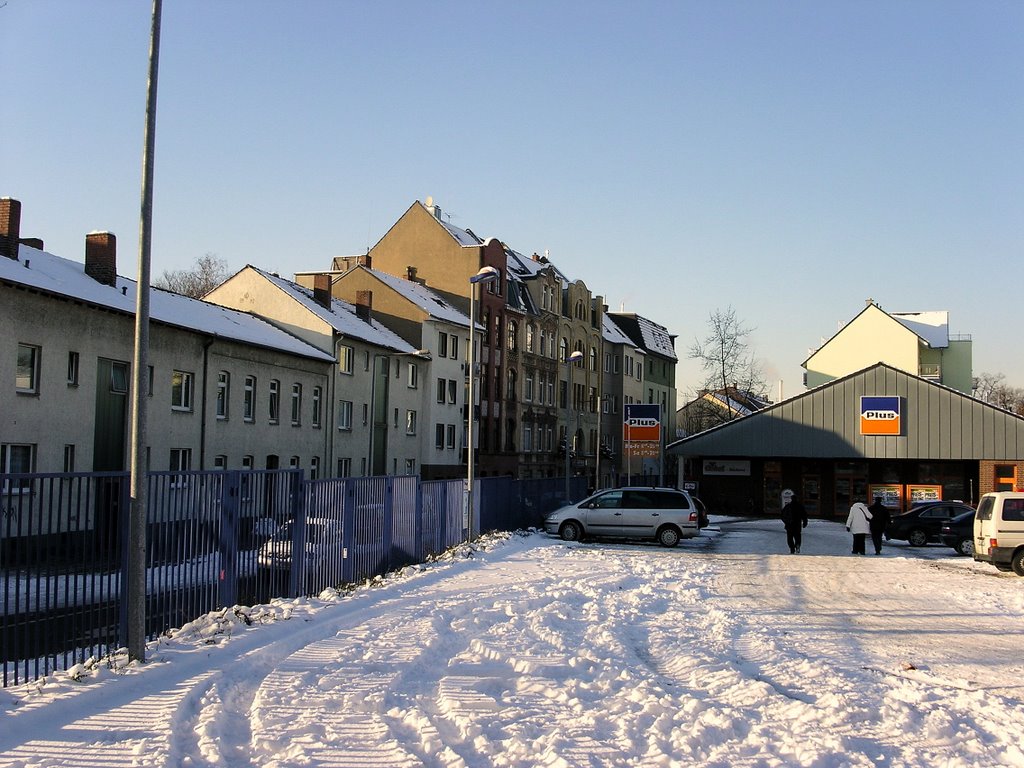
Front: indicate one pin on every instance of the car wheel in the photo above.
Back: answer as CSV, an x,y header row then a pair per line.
x,y
917,538
668,536
570,531
965,547
1018,562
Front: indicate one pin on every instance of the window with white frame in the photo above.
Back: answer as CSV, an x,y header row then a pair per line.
x,y
27,376
410,466
344,467
181,391
73,360
527,438
274,403
453,347
528,387
410,422
180,461
439,436
414,376
345,354
529,337
220,461
223,394
345,415
449,434
17,458
249,402
293,462
296,404
314,468
69,458
119,378
441,388
317,407
442,344
453,389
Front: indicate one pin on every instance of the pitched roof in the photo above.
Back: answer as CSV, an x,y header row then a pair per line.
x,y
341,317
57,276
614,335
646,333
422,297
931,327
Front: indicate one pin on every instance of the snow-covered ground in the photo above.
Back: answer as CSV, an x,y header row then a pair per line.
x,y
528,652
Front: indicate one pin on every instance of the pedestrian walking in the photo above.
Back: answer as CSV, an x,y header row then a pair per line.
x,y
858,523
794,517
879,520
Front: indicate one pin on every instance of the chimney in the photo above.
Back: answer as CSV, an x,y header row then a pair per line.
x,y
32,242
366,261
10,227
322,290
101,257
410,274
536,256
364,305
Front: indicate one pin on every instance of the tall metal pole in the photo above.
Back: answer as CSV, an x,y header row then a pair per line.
x,y
577,355
135,590
485,275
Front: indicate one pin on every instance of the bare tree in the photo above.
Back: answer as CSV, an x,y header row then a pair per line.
x,y
992,388
725,357
208,272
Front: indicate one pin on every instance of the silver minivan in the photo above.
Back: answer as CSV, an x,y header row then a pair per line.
x,y
663,514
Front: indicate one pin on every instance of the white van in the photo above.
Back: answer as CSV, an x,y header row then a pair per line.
x,y
999,531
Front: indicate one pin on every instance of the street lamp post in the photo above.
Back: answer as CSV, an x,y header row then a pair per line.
x,y
485,275
575,357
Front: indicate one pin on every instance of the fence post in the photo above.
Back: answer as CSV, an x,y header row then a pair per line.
x,y
389,522
297,512
124,523
348,524
418,522
227,546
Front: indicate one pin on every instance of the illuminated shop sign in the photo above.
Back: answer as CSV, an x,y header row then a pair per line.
x,y
880,416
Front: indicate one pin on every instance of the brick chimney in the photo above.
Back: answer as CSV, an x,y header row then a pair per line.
x,y
364,305
10,227
101,257
365,261
33,242
410,274
322,290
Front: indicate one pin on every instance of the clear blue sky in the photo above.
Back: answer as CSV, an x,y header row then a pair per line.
x,y
788,159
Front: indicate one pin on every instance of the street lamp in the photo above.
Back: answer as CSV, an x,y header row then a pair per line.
x,y
575,357
485,275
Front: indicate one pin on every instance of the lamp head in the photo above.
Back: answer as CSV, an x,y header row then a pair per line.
x,y
576,356
485,275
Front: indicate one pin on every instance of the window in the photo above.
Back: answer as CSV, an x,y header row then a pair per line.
x,y
410,422
442,344
414,376
511,394
72,369
223,392
345,414
69,458
317,407
344,467
181,391
529,337
542,347
396,418
410,466
528,387
17,458
563,349
181,459
593,358
119,378
247,462
527,438
274,405
366,414
439,436
293,462
453,391
249,404
27,378
441,385
513,333
296,404
449,433
1005,477
345,354
453,347
220,462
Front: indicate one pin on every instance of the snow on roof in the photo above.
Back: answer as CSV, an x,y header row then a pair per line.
x,y
423,297
465,237
933,327
527,268
341,317
655,338
613,334
62,277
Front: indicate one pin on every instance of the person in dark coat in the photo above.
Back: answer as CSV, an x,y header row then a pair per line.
x,y
879,520
794,517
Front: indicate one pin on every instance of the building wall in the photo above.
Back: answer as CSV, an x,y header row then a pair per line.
x,y
871,337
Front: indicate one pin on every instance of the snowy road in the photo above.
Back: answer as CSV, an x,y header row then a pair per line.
x,y
722,652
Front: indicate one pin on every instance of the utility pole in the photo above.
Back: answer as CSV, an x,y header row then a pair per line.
x,y
135,590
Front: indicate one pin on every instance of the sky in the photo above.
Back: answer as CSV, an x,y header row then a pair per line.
x,y
524,651
788,160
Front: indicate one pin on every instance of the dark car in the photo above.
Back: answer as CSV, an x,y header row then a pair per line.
x,y
923,523
959,533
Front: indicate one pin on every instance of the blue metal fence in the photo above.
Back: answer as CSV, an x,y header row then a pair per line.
x,y
215,539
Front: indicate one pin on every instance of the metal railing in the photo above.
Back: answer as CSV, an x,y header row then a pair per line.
x,y
213,540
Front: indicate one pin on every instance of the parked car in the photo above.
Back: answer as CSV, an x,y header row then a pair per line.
x,y
999,531
323,545
663,514
958,533
922,523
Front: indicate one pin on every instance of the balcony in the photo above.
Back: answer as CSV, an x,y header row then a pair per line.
x,y
930,371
